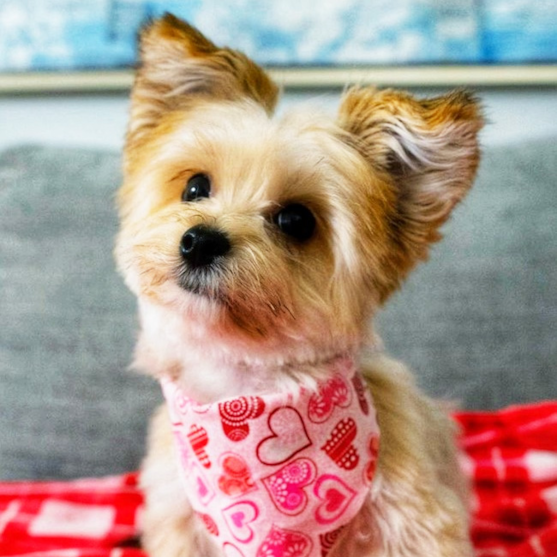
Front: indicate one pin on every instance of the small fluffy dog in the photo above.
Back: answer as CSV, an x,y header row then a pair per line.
x,y
259,249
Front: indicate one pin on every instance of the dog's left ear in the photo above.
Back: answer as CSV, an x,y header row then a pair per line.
x,y
179,64
428,152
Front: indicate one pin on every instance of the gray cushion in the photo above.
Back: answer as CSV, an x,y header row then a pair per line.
x,y
477,323
69,406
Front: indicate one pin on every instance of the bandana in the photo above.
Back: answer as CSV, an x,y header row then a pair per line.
x,y
278,475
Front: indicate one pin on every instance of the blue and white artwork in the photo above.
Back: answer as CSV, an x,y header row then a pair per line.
x,y
519,30
101,34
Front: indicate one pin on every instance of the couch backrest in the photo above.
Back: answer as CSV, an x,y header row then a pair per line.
x,y
477,323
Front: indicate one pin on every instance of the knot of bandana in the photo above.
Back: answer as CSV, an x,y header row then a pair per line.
x,y
278,475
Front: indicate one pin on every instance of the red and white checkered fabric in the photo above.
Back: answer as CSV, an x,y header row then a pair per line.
x,y
83,518
510,455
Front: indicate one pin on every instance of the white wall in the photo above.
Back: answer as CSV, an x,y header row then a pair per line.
x,y
99,121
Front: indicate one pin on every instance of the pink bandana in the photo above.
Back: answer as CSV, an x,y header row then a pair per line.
x,y
278,475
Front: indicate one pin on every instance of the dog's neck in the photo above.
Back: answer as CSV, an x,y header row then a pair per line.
x,y
211,370
210,380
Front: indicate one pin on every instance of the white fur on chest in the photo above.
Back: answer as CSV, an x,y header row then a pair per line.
x,y
211,369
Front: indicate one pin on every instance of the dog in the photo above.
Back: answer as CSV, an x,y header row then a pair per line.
x,y
259,249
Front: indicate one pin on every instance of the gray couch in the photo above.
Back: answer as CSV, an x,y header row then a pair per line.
x,y
478,323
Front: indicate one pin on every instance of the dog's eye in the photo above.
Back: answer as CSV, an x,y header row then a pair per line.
x,y
297,221
198,187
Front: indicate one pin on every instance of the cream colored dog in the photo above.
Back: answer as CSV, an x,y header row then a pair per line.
x,y
259,248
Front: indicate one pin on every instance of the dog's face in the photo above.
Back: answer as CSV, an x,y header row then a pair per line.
x,y
271,233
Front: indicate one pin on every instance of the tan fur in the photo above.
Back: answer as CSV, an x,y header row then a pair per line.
x,y
380,180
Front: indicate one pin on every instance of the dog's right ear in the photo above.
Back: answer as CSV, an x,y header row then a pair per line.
x,y
179,64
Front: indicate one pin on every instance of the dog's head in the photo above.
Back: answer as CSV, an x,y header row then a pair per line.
x,y
264,234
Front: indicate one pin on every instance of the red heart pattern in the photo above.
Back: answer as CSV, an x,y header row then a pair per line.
x,y
329,539
285,543
335,495
199,439
286,486
235,478
339,446
288,437
335,392
202,488
278,475
361,390
239,517
209,523
236,413
371,467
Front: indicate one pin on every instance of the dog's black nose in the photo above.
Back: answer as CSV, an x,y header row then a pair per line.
x,y
202,244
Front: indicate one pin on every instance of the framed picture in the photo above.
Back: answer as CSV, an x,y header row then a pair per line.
x,y
72,44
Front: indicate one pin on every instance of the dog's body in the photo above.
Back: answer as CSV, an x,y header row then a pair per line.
x,y
259,249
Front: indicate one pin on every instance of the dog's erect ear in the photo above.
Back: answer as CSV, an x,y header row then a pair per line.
x,y
428,150
178,64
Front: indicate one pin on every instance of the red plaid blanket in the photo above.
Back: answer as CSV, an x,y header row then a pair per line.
x,y
510,455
